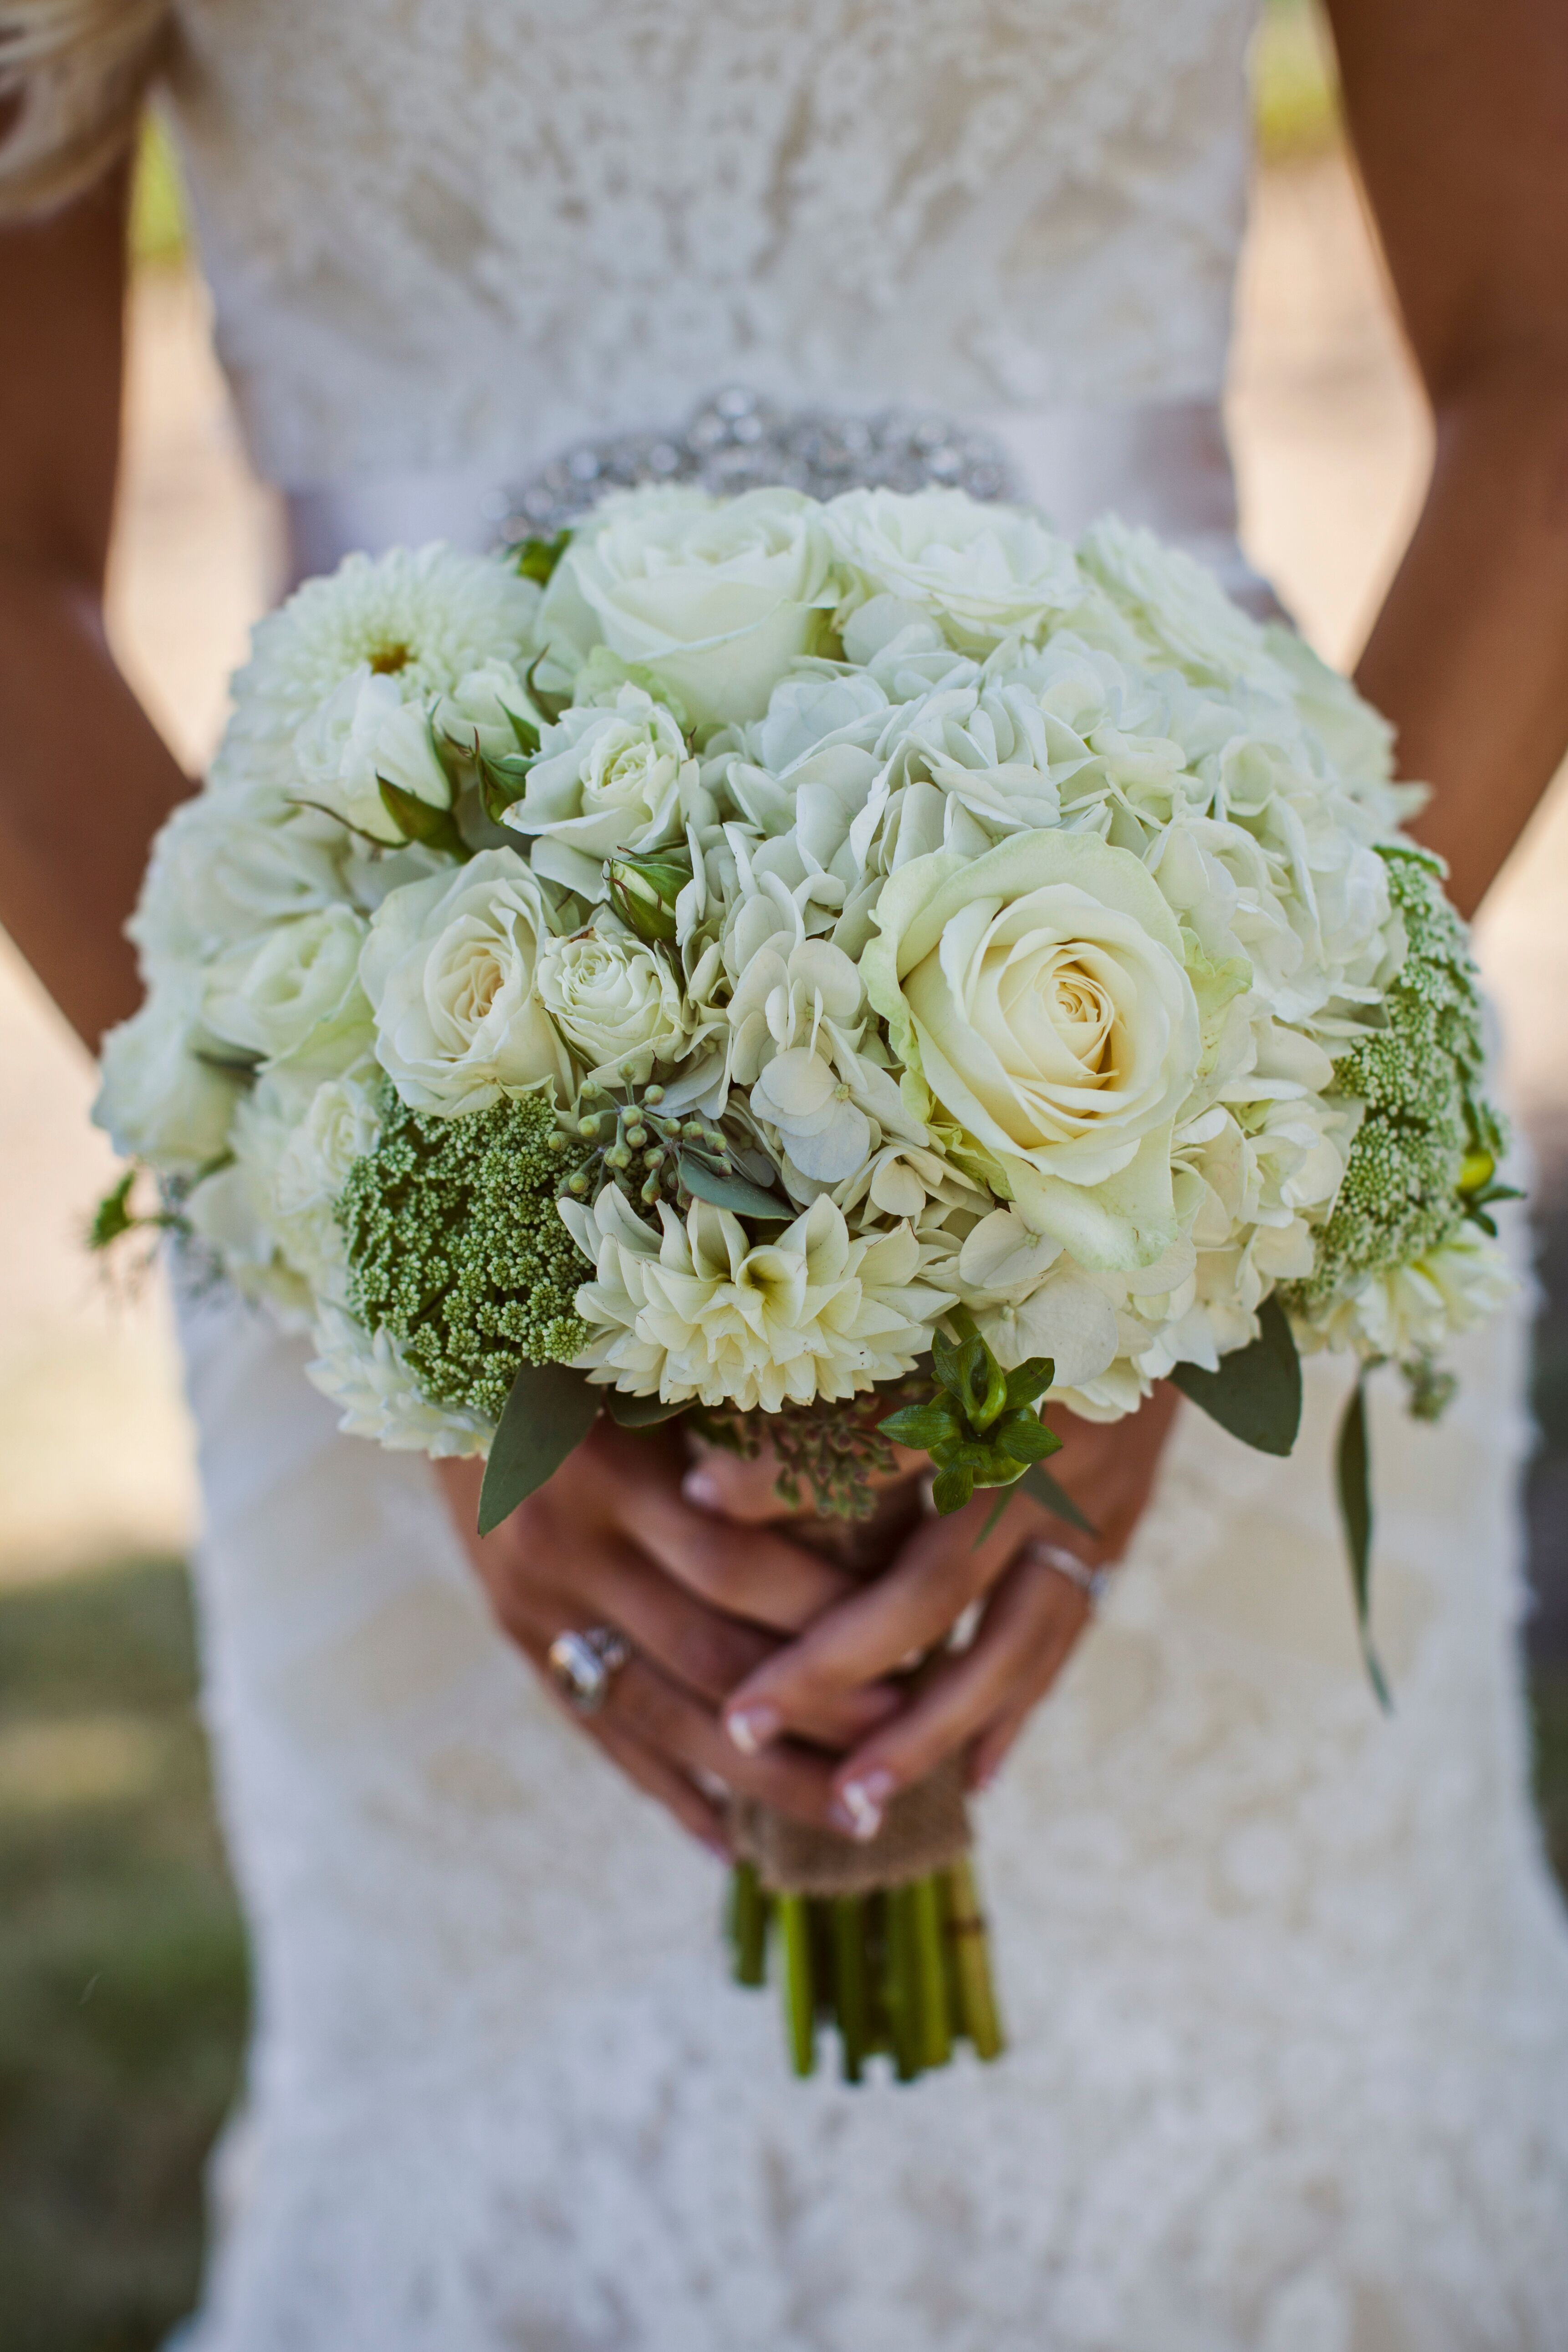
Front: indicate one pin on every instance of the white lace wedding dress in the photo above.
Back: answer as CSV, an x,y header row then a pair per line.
x,y
1287,1984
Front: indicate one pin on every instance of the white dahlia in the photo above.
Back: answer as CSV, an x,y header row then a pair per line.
x,y
701,1312
424,618
365,1373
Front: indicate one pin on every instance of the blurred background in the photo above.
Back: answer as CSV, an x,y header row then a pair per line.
x,y
123,1984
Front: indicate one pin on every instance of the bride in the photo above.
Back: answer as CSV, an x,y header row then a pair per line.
x,y
1286,1981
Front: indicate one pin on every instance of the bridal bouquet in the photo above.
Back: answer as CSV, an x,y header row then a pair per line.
x,y
843,972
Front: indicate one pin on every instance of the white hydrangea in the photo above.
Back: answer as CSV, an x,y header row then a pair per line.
x,y
700,1310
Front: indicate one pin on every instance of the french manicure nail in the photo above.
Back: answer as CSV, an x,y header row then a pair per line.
x,y
751,1727
701,1487
865,1801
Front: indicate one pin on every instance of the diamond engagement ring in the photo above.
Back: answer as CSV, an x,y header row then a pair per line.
x,y
1090,1581
583,1665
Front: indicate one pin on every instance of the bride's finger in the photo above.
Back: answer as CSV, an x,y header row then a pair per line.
x,y
707,1653
1032,1620
868,1635
667,1786
745,1572
645,1701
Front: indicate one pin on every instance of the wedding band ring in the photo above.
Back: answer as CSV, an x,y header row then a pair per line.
x,y
583,1665
1090,1581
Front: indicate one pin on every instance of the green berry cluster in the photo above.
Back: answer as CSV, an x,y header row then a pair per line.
x,y
1429,1140
456,1247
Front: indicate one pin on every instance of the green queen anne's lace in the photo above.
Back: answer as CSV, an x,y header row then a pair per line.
x,y
1419,1076
456,1248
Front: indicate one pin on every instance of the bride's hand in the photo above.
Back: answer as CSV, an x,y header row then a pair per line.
x,y
611,1540
1031,1615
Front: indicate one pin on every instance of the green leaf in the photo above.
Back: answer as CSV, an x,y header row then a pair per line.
x,y
536,558
1353,1463
993,1515
418,820
945,1362
1256,1392
549,706
548,1415
1030,1380
922,1425
736,1193
1024,1439
951,1490
503,782
1039,1482
114,1217
639,1412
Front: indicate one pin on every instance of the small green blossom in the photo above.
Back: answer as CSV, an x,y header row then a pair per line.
x,y
456,1247
1420,1078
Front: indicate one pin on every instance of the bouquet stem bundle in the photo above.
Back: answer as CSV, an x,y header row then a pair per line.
x,y
903,1972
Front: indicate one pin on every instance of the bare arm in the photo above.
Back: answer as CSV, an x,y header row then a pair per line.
x,y
1460,116
85,779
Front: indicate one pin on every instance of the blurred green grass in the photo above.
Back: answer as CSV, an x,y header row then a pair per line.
x,y
123,1970
1294,106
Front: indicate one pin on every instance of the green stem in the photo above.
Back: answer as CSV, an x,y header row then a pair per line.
x,y
850,1977
749,1924
977,2001
925,1912
795,1929
903,2008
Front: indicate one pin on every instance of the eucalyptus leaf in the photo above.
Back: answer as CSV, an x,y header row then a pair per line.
x,y
548,1415
1039,1482
1256,1392
639,1412
1354,1463
736,1193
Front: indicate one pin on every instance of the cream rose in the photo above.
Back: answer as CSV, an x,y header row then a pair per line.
x,y
607,781
364,731
983,572
615,1002
449,968
1039,990
715,599
271,993
166,1094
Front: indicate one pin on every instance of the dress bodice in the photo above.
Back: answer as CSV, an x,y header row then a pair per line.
x,y
460,232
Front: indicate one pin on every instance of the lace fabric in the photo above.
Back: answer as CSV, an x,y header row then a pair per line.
x,y
1287,1986
452,232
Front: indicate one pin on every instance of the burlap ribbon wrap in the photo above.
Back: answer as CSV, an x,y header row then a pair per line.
x,y
926,1828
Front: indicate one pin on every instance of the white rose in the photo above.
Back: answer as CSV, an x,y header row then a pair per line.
x,y
309,1172
366,730
270,995
984,572
615,1002
716,599
1039,992
606,780
225,865
449,968
1173,600
161,1097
